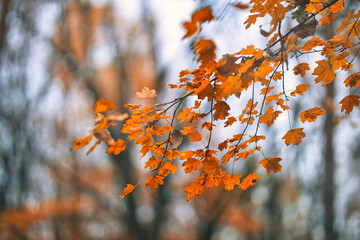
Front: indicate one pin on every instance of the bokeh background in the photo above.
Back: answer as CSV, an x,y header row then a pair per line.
x,y
57,57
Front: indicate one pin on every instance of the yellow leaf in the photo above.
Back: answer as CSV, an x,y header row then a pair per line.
x,y
146,93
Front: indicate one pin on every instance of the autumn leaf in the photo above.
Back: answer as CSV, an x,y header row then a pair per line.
x,y
116,147
176,139
188,129
230,180
92,148
103,105
191,164
311,115
353,80
349,102
241,6
197,18
294,136
221,110
301,68
152,163
146,93
154,182
129,188
250,180
195,188
103,135
81,142
306,29
324,72
271,164
167,168
300,89
195,137
205,51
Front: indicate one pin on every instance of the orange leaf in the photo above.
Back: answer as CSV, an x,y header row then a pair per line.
x,y
116,147
230,180
301,68
324,72
93,147
188,129
198,17
300,89
153,163
195,137
294,136
250,180
103,105
191,164
349,102
154,182
241,6
353,80
205,51
81,142
146,93
195,188
311,115
168,168
271,164
129,188
221,110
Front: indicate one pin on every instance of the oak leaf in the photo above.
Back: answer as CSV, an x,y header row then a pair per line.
x,y
294,136
129,188
311,115
271,164
349,102
116,147
250,180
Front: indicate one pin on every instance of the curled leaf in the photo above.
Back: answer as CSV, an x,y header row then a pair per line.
x,y
81,142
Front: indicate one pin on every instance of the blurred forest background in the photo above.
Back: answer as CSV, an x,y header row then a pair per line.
x,y
57,57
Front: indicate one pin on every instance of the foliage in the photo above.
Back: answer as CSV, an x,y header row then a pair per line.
x,y
254,77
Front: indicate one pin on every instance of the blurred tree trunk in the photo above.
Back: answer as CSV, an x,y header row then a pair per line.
x,y
329,190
